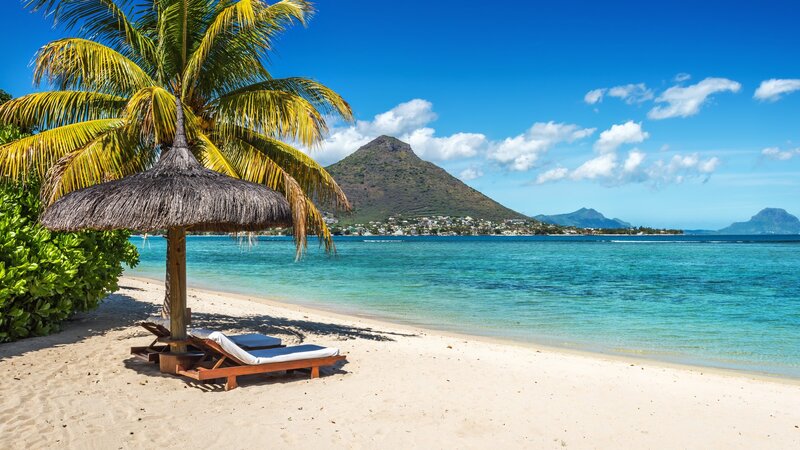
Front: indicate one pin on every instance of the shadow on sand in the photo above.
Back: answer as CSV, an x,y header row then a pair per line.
x,y
116,312
119,311
152,370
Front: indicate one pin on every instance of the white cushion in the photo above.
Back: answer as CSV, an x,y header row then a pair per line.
x,y
272,355
245,341
255,340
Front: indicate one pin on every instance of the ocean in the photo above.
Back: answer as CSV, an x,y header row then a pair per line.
x,y
720,301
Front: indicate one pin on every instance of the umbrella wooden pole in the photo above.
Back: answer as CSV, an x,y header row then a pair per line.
x,y
176,267
165,304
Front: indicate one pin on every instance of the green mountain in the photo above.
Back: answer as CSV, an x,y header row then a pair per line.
x,y
583,218
386,178
767,221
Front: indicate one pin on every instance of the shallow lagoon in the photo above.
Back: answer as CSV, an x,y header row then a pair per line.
x,y
722,301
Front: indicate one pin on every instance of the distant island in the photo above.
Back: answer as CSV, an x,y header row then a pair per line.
x,y
584,218
767,221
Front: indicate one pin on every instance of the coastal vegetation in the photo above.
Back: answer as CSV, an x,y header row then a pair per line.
x,y
47,277
112,111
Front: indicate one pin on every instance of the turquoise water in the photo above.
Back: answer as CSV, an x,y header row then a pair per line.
x,y
730,302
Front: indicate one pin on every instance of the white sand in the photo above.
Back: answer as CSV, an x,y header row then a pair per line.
x,y
81,389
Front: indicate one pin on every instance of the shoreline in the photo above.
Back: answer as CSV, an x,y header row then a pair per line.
x,y
381,322
400,385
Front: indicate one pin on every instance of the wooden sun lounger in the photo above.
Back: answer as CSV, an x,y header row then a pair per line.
x,y
160,344
224,365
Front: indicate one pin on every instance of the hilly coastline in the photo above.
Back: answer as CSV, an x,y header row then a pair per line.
x,y
767,221
584,218
386,178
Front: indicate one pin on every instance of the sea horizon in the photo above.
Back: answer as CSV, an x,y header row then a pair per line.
x,y
685,303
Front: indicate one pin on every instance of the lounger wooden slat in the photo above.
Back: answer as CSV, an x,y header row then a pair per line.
x,y
236,368
202,373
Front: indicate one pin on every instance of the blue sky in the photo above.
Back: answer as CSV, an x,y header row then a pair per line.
x,y
674,134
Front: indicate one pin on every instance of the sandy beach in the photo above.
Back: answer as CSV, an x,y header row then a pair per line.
x,y
402,387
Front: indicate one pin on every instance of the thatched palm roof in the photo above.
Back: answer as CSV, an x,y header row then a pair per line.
x,y
176,193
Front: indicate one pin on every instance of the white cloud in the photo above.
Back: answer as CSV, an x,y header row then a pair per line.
x,y
408,122
680,168
470,173
607,169
401,119
594,96
599,167
708,166
629,132
681,77
634,160
522,152
631,93
778,154
773,89
339,143
686,101
459,145
556,174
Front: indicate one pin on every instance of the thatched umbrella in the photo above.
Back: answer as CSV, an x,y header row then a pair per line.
x,y
177,194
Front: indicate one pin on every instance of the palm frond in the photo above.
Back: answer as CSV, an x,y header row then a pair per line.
x,y
253,165
277,114
181,26
227,68
213,158
306,218
37,153
101,20
325,99
45,110
230,54
84,65
241,14
315,181
110,156
151,114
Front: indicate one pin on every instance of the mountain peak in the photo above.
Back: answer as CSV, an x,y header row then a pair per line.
x,y
766,221
386,178
583,218
388,144
772,212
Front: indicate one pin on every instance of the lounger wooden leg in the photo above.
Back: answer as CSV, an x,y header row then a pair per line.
x,y
315,372
231,384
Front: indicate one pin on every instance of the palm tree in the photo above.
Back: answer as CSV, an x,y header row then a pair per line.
x,y
113,111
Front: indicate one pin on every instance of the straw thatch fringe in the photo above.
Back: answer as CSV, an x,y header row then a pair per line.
x,y
176,193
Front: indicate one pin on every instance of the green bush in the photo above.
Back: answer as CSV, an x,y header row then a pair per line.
x,y
46,277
